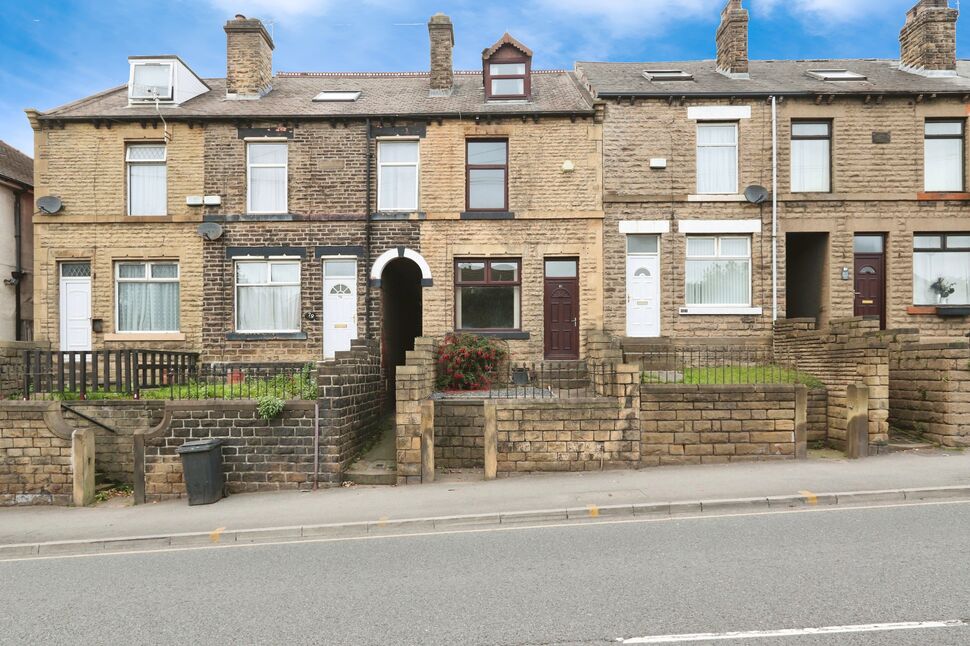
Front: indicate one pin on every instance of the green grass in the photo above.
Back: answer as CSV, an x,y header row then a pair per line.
x,y
721,375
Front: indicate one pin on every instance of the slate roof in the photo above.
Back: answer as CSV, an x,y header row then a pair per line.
x,y
769,77
15,165
382,94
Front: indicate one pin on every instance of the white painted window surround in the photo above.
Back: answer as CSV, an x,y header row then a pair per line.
x,y
719,112
644,226
719,226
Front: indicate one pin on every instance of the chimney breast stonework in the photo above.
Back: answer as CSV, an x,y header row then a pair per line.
x,y
249,58
928,40
442,37
732,40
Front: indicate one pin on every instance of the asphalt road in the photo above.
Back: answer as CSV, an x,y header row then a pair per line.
x,y
589,584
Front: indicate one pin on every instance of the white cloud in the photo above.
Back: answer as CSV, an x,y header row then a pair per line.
x,y
832,11
256,8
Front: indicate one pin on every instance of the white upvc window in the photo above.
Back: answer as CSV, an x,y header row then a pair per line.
x,y
398,164
147,296
266,164
151,81
268,296
811,156
941,268
943,153
719,271
147,179
717,158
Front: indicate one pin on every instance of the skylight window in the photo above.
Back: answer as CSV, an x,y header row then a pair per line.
x,y
836,75
331,95
668,75
151,81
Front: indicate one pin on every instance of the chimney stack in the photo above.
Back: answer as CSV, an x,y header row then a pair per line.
x,y
249,58
442,42
732,41
928,40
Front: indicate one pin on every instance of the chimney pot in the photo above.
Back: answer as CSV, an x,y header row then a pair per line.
x,y
442,36
732,40
249,58
927,42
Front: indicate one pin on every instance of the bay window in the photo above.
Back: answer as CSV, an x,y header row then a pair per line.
x,y
488,294
397,176
147,179
267,296
147,296
266,164
811,156
943,156
941,269
719,271
717,158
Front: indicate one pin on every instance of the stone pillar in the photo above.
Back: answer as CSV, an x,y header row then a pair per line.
x,y
801,422
857,429
82,461
427,441
491,440
138,477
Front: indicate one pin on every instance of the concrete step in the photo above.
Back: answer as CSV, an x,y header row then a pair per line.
x,y
897,447
372,475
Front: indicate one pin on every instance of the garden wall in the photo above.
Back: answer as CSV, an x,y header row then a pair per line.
x,y
459,434
414,385
929,389
817,415
847,351
689,424
12,366
35,455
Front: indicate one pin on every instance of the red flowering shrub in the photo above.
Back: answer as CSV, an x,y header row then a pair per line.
x,y
468,362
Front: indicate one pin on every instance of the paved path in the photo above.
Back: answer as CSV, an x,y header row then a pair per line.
x,y
456,496
593,584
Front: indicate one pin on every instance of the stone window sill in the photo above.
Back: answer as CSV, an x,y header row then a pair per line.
x,y
510,335
145,336
721,311
270,336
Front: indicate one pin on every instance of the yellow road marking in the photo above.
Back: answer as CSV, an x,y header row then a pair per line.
x,y
217,534
594,511
810,498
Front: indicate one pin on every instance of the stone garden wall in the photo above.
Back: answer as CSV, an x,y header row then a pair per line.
x,y
35,455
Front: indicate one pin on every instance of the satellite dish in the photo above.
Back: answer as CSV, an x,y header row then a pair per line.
x,y
50,204
756,194
210,230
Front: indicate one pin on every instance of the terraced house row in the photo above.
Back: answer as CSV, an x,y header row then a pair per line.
x,y
277,216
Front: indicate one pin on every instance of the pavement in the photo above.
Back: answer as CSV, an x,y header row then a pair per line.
x,y
821,576
464,499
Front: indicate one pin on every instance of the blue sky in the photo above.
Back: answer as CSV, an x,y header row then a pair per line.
x,y
56,51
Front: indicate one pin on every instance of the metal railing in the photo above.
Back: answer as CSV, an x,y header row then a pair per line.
x,y
540,380
715,365
158,374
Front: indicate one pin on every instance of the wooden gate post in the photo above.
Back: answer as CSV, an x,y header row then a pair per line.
x,y
82,461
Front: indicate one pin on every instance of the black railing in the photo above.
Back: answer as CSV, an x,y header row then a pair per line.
x,y
101,373
157,374
541,380
712,365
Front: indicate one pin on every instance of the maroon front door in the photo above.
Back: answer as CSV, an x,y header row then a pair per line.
x,y
562,308
870,277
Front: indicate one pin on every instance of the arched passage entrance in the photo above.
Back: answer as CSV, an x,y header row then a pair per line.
x,y
400,273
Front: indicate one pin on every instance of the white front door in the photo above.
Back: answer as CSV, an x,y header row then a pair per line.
x,y
339,305
75,306
643,286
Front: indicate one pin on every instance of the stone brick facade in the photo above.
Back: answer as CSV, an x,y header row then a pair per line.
x,y
685,424
414,385
459,434
35,456
12,367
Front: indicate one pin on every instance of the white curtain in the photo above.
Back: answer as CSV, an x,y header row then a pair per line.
x,y
717,158
147,189
944,165
719,282
268,308
810,166
398,188
267,190
952,267
148,307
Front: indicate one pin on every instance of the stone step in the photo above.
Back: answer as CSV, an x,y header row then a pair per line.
x,y
898,447
371,478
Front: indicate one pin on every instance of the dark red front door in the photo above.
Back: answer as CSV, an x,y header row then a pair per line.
x,y
870,277
562,308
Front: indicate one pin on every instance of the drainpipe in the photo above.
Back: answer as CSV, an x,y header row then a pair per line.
x,y
316,445
774,209
367,236
19,270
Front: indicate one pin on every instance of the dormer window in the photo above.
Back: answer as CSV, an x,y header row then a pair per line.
x,y
162,79
151,81
507,70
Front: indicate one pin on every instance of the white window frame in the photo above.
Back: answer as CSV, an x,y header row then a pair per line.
x,y
147,279
737,155
129,163
417,173
146,99
718,308
793,142
268,261
962,138
286,175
